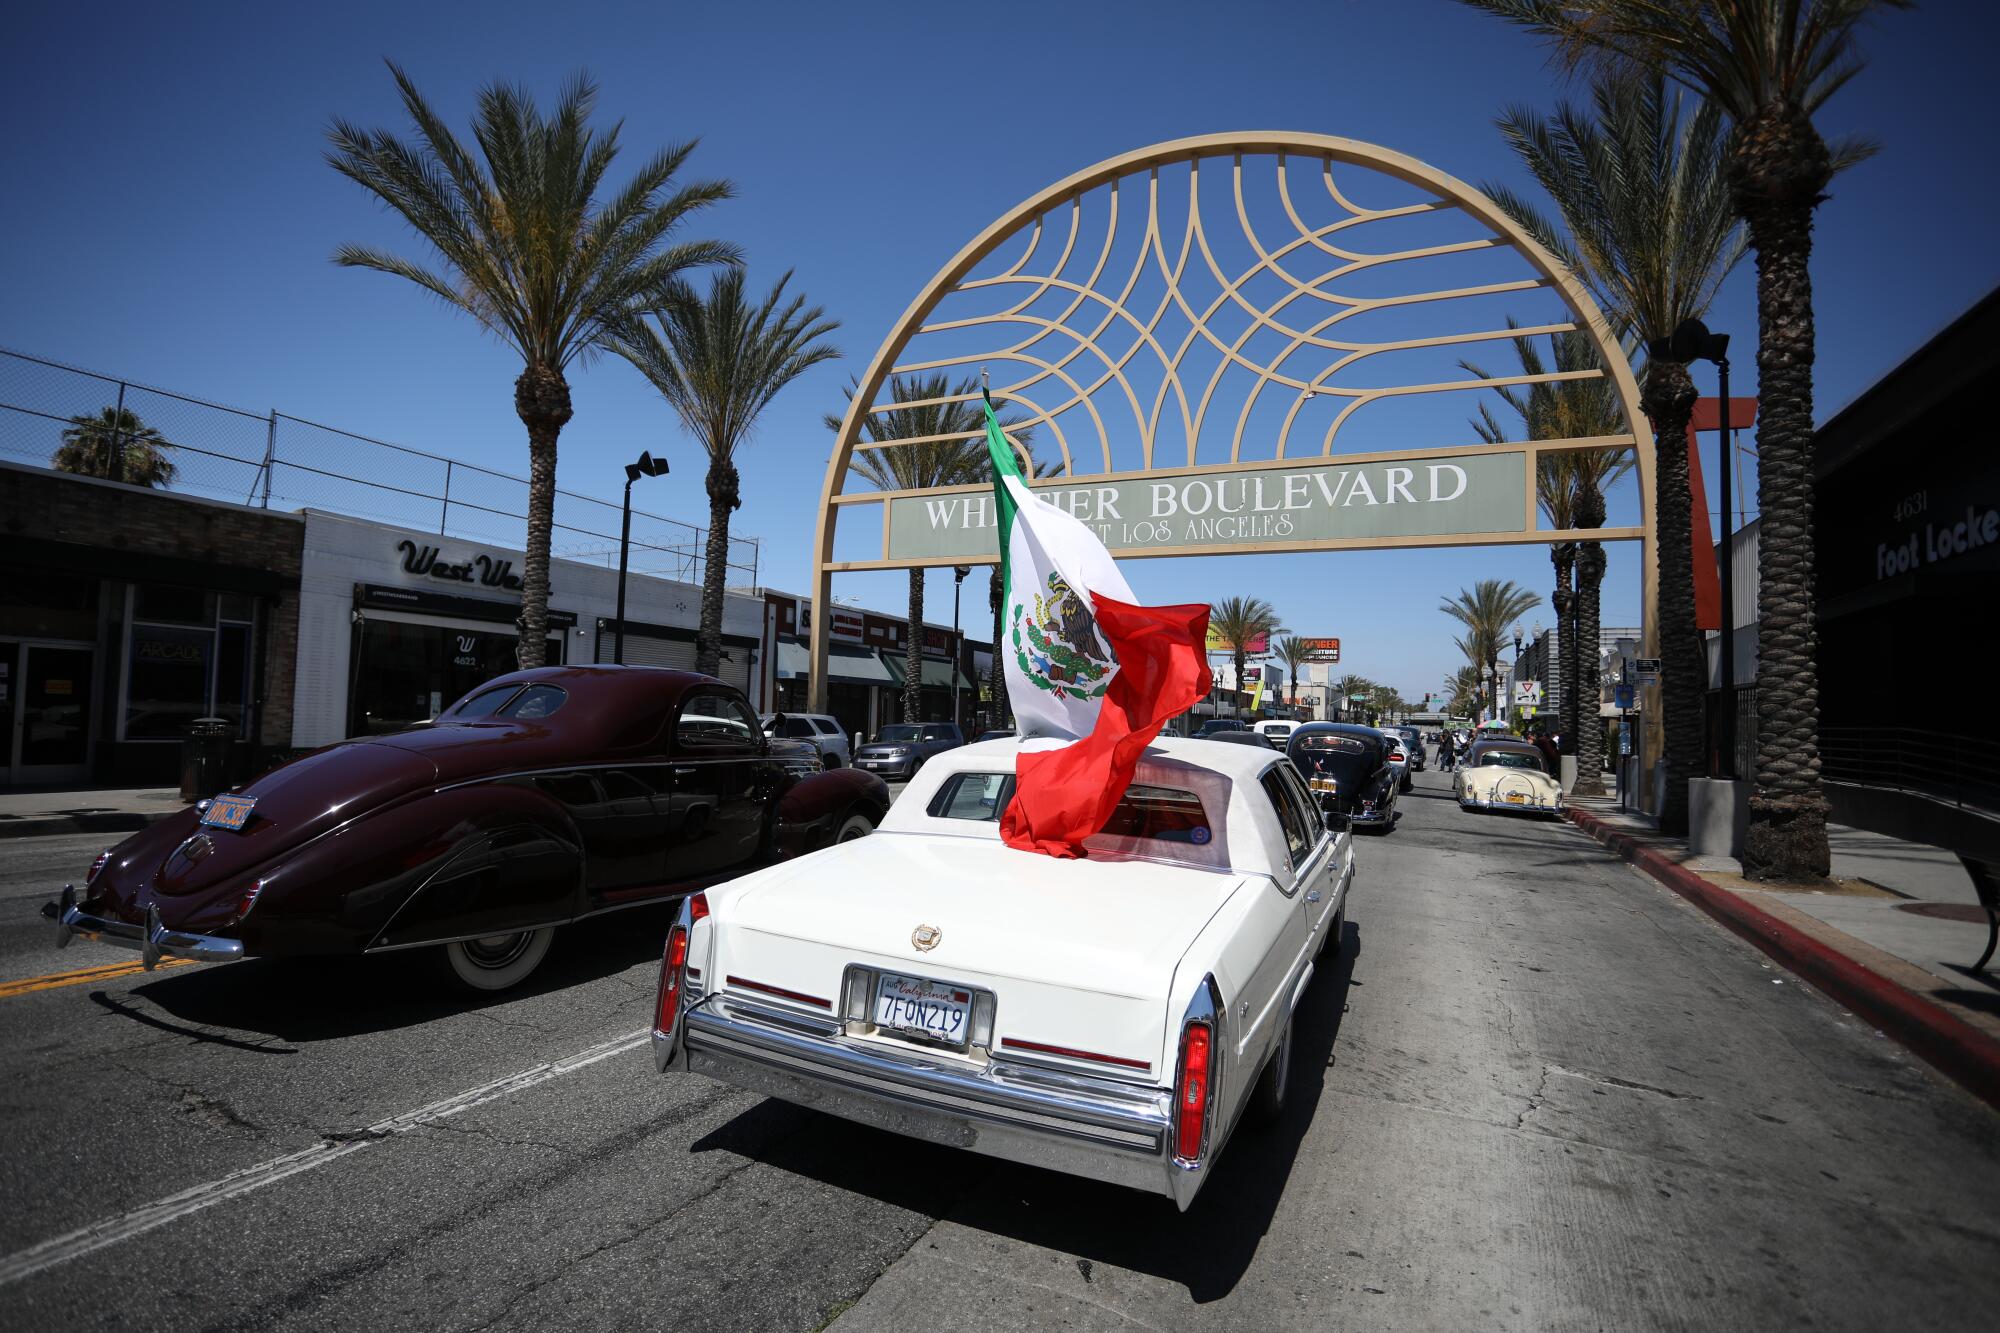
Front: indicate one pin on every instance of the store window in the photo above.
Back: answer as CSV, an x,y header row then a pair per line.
x,y
189,656
406,674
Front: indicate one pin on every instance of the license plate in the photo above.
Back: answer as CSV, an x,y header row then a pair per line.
x,y
934,1011
1516,798
230,812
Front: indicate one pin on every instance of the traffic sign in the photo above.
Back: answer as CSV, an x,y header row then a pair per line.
x,y
1527,693
1647,666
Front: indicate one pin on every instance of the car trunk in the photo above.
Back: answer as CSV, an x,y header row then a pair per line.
x,y
1078,954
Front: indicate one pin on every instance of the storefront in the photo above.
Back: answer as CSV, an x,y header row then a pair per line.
x,y
126,616
395,625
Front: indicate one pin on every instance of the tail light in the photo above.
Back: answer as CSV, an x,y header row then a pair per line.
x,y
97,867
1191,1092
249,898
698,908
673,975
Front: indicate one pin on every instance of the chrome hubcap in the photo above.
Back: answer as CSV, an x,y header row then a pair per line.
x,y
495,951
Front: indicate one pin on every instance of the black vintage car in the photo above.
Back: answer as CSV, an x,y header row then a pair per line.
x,y
1348,769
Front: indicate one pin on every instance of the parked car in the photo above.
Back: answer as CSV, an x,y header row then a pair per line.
x,y
902,748
1347,769
1215,724
1507,775
1110,1016
540,797
821,732
1399,761
1413,746
1278,731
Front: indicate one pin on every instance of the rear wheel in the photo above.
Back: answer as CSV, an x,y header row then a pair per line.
x,y
1267,1099
497,962
854,826
829,761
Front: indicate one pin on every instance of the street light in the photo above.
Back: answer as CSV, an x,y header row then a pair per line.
x,y
1693,342
647,466
958,573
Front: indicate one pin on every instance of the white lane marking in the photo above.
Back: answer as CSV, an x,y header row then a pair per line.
x,y
112,1230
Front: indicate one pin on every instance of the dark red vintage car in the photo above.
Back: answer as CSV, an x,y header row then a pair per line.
x,y
539,798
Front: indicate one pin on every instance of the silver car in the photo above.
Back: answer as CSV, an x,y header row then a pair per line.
x,y
815,729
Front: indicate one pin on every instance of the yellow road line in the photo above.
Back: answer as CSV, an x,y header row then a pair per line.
x,y
107,972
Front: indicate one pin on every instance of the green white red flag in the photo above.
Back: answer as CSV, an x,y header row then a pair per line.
x,y
1087,668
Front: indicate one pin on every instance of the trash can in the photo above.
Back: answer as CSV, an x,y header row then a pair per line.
x,y
206,752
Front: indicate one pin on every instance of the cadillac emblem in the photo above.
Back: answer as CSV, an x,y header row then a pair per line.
x,y
926,938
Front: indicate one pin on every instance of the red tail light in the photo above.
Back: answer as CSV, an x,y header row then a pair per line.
x,y
697,908
673,972
1191,1096
97,867
249,898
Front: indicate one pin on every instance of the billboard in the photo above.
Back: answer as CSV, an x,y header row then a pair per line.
x,y
1258,645
1322,650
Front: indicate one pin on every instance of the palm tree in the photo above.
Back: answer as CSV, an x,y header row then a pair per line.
x,y
1238,622
1569,487
1350,685
525,246
950,425
1769,66
718,361
1463,687
1486,611
1646,224
116,446
1294,653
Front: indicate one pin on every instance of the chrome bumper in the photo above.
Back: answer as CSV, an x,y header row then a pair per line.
x,y
1526,807
153,940
1369,818
1097,1128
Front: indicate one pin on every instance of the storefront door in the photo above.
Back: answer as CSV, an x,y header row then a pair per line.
x,y
45,693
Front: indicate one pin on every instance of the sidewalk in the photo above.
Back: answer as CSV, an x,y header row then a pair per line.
x,y
92,810
1909,973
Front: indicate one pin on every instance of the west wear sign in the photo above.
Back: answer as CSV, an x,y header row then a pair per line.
x,y
1234,507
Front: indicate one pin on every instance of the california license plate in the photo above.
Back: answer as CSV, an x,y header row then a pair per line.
x,y
934,1011
1516,798
230,812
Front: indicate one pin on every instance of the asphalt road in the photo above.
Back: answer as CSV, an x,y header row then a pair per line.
x,y
1537,1092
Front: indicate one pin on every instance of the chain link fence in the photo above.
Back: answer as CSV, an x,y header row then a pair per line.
x,y
53,415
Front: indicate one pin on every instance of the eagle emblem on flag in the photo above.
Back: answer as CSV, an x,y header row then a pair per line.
x,y
1057,646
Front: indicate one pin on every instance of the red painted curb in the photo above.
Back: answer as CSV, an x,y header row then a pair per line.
x,y
1948,1043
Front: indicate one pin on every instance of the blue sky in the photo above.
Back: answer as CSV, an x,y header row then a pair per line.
x,y
168,216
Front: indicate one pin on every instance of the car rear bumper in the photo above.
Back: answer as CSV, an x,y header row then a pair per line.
x,y
1097,1128
152,939
1525,807
1370,817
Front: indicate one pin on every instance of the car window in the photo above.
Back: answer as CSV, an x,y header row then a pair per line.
x,y
798,728
826,726
535,701
980,796
1161,814
712,720
483,703
1299,838
1510,759
900,732
1303,799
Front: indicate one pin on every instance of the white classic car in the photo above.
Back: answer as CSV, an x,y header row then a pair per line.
x,y
1110,1017
1507,775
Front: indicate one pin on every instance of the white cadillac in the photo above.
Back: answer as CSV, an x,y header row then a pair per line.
x,y
1110,1017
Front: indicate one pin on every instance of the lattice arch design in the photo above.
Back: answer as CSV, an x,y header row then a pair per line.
x,y
1227,301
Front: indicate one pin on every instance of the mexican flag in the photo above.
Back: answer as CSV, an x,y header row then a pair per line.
x,y
1087,668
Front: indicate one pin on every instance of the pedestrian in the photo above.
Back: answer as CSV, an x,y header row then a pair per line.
x,y
1547,746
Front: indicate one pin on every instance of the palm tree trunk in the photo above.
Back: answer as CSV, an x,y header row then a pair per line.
x,y
997,684
1668,400
541,400
724,496
913,652
1564,602
1240,658
1777,173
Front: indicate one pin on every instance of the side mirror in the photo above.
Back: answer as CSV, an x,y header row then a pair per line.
x,y
1336,821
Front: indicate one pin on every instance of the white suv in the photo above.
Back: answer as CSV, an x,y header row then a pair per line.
x,y
815,729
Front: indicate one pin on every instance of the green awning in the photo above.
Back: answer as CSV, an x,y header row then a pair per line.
x,y
857,666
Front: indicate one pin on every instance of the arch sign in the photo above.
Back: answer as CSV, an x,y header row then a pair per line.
x,y
1267,342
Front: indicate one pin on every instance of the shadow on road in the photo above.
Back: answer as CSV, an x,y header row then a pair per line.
x,y
1207,1249
326,999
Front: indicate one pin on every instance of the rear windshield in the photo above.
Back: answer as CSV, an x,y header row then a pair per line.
x,y
1510,759
900,732
1145,814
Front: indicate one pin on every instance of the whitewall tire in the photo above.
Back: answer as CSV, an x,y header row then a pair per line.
x,y
852,827
497,962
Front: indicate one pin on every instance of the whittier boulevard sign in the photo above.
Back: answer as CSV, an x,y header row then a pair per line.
x,y
1240,508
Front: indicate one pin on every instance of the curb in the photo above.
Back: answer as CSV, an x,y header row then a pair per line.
x,y
1943,1040
108,821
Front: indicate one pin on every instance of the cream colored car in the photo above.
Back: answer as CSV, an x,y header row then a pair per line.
x,y
1507,775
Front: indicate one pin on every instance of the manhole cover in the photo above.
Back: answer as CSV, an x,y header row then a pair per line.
x,y
1946,911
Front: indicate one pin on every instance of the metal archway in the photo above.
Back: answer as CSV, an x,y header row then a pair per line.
x,y
1163,341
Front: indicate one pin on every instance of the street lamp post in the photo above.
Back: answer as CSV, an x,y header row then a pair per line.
x,y
647,466
958,573
1693,342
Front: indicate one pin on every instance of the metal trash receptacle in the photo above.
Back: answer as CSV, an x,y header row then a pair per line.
x,y
206,752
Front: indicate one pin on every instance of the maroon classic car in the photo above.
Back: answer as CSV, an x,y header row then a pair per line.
x,y
541,797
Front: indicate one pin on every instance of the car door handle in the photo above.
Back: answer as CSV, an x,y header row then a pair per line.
x,y
1313,896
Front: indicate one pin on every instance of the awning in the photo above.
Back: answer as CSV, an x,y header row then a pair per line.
x,y
857,666
937,675
794,660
